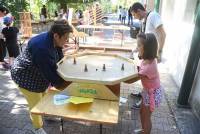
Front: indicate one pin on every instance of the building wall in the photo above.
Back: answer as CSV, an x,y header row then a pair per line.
x,y
178,22
178,17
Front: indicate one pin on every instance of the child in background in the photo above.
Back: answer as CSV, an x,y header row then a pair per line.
x,y
148,73
123,14
10,35
120,13
3,63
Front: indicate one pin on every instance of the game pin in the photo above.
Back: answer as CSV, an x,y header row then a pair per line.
x,y
85,70
122,68
74,60
104,67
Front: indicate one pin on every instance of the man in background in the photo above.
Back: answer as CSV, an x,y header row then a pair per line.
x,y
152,24
3,12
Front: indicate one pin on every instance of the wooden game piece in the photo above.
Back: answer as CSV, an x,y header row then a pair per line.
x,y
122,68
138,68
85,70
104,49
74,60
104,67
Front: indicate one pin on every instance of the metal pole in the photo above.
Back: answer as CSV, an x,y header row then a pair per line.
x,y
191,66
157,5
61,126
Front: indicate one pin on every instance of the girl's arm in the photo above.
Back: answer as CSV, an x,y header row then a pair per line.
x,y
138,77
133,79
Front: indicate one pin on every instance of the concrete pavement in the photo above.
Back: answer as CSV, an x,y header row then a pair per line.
x,y
14,117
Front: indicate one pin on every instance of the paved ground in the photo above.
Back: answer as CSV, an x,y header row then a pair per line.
x,y
167,119
15,119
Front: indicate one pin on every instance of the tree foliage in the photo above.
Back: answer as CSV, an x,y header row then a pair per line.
x,y
15,6
64,3
35,6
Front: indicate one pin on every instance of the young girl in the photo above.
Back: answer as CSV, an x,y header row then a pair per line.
x,y
148,73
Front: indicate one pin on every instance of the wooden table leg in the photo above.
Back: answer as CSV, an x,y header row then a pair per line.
x,y
101,128
61,126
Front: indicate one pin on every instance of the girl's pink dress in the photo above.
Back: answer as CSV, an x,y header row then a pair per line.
x,y
152,91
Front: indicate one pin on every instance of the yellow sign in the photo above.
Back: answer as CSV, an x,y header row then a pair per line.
x,y
79,100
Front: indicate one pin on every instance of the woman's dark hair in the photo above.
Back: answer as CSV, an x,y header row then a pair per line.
x,y
60,27
150,45
136,6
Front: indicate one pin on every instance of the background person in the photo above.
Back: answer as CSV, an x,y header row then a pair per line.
x,y
152,24
2,42
130,17
44,11
119,12
10,34
43,15
124,13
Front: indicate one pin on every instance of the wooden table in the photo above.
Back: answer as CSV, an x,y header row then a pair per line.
x,y
87,112
102,85
113,27
100,111
110,27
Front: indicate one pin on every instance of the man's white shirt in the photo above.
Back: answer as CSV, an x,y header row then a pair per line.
x,y
153,21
